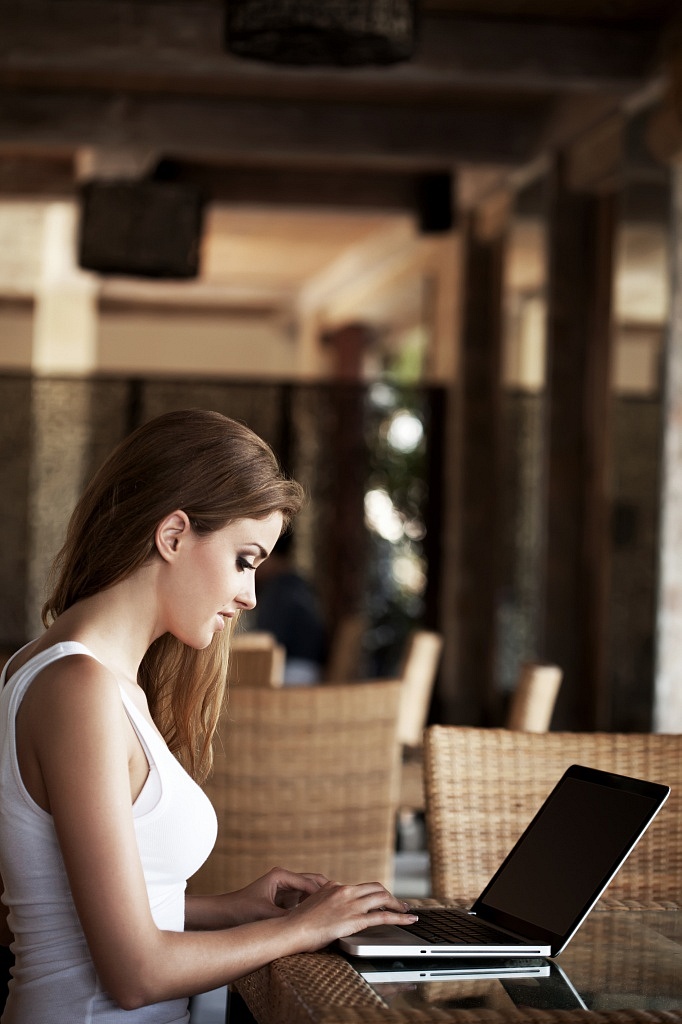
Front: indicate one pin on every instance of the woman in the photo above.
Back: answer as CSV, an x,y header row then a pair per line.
x,y
106,723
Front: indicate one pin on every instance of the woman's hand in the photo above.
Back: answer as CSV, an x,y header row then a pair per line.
x,y
274,893
337,910
269,896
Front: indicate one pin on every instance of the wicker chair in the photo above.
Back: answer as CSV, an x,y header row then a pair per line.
x,y
418,673
307,778
256,659
532,702
483,786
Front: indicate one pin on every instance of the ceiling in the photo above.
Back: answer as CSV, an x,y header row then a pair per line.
x,y
307,164
491,83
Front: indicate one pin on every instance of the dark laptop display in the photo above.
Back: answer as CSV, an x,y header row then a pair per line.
x,y
550,880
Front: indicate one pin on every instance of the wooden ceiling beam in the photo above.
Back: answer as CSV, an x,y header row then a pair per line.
x,y
203,129
49,176
177,47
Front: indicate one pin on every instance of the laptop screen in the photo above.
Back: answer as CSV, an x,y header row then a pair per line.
x,y
569,852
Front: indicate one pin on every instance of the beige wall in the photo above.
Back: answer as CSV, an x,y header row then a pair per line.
x,y
198,342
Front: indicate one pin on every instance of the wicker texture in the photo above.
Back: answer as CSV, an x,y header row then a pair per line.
x,y
256,659
418,673
275,993
483,786
532,703
434,1015
307,778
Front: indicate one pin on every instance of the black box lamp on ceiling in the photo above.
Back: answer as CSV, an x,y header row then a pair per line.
x,y
342,33
140,228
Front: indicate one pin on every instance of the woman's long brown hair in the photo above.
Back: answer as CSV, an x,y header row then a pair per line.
x,y
218,471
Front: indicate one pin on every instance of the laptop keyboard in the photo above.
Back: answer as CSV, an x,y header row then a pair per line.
x,y
438,925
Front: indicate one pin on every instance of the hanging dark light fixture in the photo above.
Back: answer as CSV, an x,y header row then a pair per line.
x,y
328,32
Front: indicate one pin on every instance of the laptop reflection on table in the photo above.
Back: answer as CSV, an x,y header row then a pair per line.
x,y
470,984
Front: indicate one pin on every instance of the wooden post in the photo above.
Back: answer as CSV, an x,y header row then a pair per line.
x,y
579,343
348,455
479,400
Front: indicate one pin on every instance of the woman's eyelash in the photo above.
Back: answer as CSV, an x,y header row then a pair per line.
x,y
243,564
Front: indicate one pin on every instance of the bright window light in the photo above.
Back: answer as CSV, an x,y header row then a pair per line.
x,y
405,431
382,517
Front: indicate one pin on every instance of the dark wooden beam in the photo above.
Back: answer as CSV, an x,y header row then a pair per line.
x,y
177,47
49,175
340,134
348,188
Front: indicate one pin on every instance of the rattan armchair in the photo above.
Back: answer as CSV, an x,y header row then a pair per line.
x,y
532,703
418,671
305,778
256,659
483,786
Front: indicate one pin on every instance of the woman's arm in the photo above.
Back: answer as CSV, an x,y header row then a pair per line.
x,y
76,731
272,895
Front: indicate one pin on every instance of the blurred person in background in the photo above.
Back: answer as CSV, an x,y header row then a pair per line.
x,y
289,608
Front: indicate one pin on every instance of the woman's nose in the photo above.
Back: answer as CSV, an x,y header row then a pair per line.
x,y
247,595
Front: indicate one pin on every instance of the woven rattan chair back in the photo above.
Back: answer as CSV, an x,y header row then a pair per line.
x,y
256,659
483,786
418,674
305,778
532,702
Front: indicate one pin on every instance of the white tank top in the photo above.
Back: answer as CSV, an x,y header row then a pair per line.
x,y
54,980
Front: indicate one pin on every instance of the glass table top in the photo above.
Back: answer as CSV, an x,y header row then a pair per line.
x,y
617,960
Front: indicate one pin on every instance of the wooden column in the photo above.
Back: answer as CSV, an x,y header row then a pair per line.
x,y
581,226
479,401
348,471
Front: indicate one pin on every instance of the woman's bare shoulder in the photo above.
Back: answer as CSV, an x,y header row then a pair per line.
x,y
77,681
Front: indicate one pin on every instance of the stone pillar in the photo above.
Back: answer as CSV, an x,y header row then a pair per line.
x,y
65,328
64,343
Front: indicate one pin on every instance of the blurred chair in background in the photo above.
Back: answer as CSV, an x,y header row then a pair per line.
x,y
256,659
483,786
532,703
305,778
418,672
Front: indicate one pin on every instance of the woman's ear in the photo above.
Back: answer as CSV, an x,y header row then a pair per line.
x,y
170,533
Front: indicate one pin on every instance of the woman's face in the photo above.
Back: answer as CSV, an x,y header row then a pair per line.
x,y
212,577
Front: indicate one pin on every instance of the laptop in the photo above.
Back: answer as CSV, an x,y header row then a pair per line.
x,y
548,883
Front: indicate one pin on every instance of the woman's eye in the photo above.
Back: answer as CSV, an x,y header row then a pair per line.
x,y
242,564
